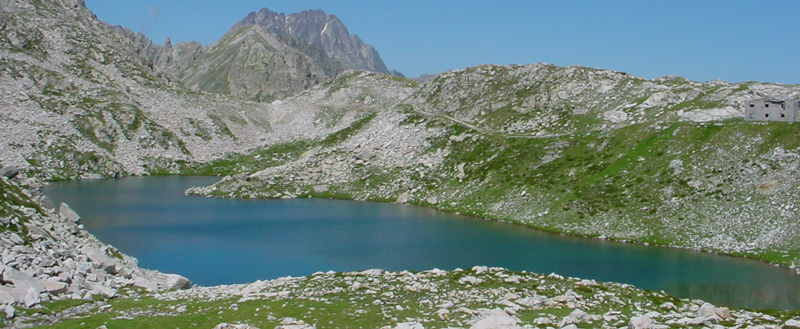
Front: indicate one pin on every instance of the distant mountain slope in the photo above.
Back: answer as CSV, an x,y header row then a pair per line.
x,y
264,57
320,29
252,63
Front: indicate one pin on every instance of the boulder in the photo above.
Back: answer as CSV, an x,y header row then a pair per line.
x,y
9,172
577,316
723,313
234,326
8,310
105,291
403,198
68,214
294,326
54,287
706,311
615,116
640,322
100,259
793,323
496,319
21,280
175,281
409,325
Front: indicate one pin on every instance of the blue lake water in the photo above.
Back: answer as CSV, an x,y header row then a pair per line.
x,y
225,241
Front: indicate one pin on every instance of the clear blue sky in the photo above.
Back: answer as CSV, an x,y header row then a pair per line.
x,y
700,39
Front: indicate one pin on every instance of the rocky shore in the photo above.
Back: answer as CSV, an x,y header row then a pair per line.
x,y
47,254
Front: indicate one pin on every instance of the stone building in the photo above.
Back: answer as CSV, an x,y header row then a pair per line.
x,y
772,110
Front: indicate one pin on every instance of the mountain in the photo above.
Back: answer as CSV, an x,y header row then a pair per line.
x,y
250,62
323,30
264,57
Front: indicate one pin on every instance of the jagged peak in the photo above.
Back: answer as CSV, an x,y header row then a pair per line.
x,y
320,29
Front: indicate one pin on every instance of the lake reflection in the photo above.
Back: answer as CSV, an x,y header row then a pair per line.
x,y
222,241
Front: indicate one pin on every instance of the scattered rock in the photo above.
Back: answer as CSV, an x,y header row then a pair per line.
x,y
234,326
409,325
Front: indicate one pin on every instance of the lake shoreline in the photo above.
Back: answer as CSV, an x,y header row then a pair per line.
x,y
515,228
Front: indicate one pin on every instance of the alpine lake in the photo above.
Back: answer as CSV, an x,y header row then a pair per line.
x,y
216,241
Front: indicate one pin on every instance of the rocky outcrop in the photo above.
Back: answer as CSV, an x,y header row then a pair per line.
x,y
319,29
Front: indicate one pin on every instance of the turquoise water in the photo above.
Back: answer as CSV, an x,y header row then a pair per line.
x,y
223,241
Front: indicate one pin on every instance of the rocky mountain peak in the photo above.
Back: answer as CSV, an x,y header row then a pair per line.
x,y
320,29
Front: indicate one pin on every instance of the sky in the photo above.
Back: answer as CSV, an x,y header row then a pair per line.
x,y
701,40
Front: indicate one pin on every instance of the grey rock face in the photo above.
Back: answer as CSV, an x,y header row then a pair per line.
x,y
320,29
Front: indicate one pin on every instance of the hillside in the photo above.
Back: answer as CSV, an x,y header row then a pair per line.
x,y
576,150
570,149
